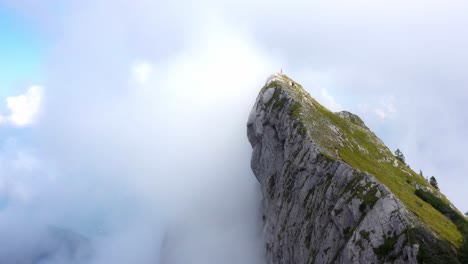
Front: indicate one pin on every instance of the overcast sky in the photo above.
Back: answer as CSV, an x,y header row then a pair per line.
x,y
148,100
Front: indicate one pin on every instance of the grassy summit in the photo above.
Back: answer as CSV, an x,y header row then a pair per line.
x,y
343,136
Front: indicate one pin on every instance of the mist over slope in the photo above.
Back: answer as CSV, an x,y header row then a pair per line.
x,y
137,150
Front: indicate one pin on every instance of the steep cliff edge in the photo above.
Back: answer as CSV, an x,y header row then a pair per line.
x,y
334,193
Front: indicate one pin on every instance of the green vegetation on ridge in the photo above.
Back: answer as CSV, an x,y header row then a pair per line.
x,y
339,138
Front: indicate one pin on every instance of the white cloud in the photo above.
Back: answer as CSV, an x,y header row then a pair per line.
x,y
26,162
363,108
380,113
20,172
386,109
142,71
329,101
23,108
202,93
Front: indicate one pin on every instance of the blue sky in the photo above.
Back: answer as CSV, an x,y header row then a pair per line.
x,y
21,53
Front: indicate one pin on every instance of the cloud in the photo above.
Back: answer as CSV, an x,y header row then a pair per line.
x,y
143,126
381,113
22,174
329,101
142,71
24,108
386,109
146,148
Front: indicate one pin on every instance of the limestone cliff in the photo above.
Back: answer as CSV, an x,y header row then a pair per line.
x,y
333,192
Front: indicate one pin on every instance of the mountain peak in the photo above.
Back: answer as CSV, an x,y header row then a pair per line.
x,y
333,192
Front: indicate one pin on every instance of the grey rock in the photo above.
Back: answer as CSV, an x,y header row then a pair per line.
x,y
317,209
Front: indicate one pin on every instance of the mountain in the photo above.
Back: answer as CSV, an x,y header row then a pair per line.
x,y
334,193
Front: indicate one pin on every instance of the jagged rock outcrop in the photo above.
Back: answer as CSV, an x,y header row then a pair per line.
x,y
317,208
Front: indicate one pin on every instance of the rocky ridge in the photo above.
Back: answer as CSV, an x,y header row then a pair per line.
x,y
333,192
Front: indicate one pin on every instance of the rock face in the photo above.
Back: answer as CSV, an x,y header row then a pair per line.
x,y
316,207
